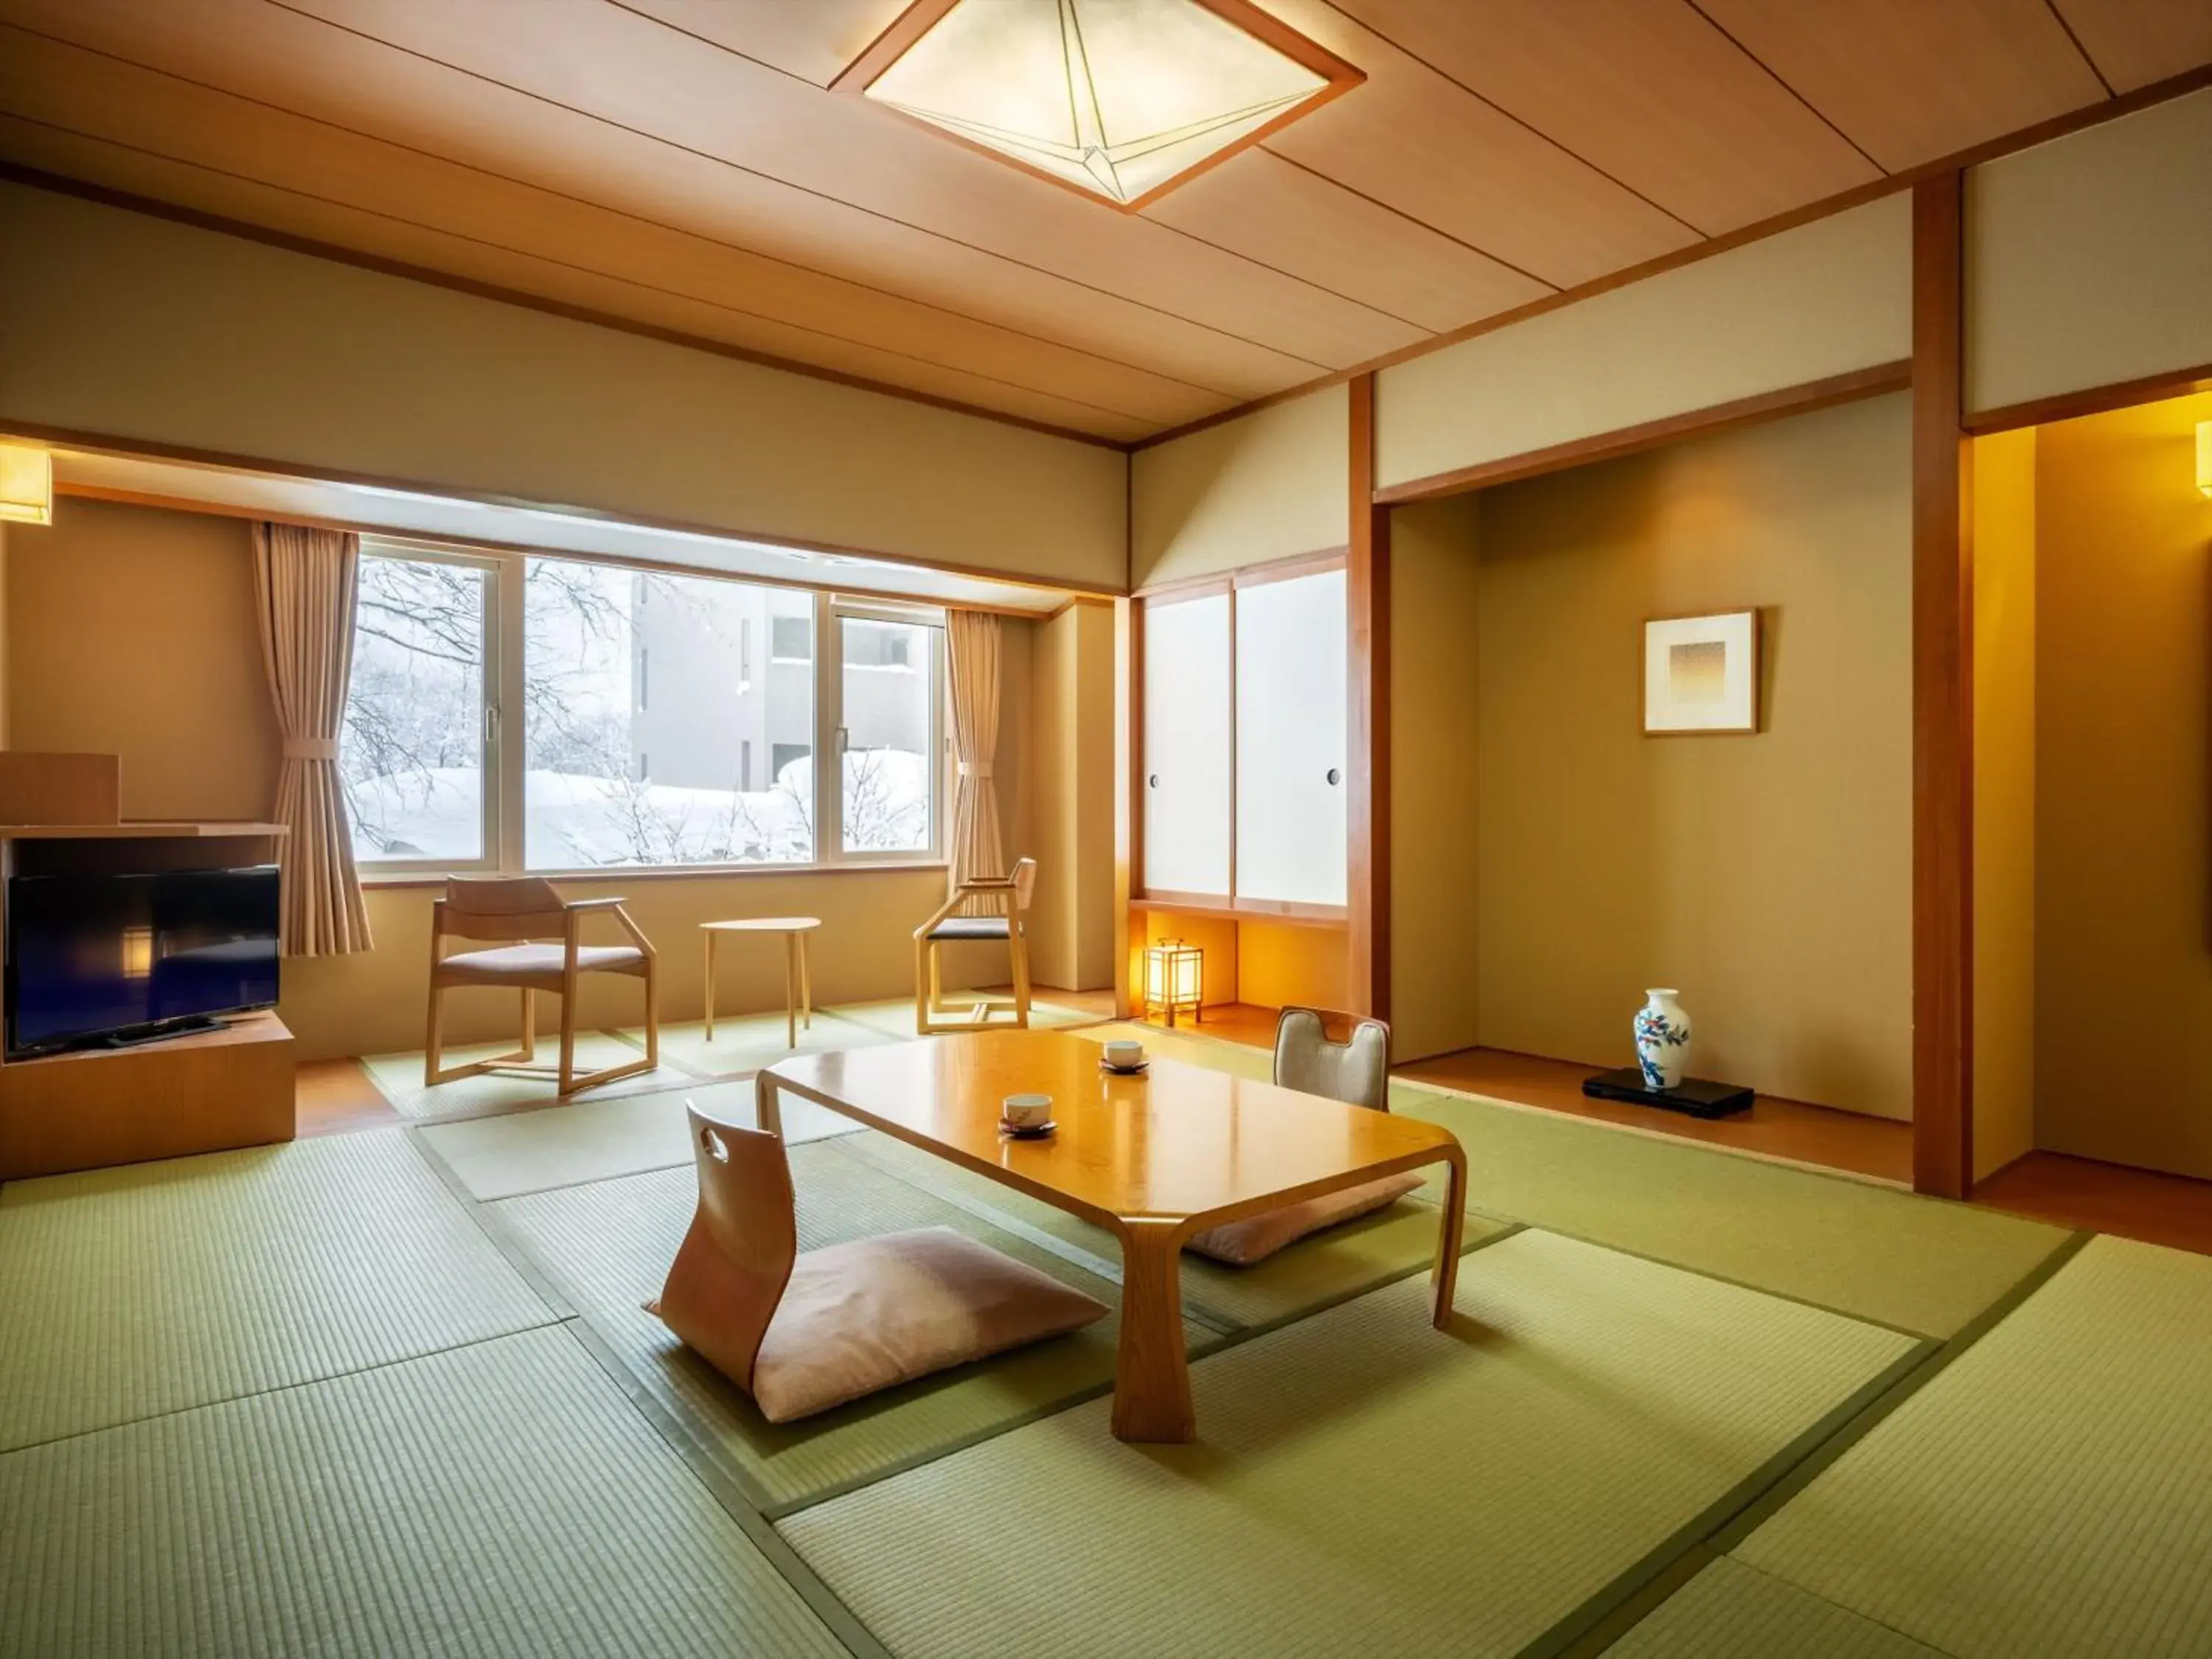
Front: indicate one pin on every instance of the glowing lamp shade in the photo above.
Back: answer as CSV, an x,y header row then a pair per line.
x,y
1120,99
2204,456
1175,977
26,486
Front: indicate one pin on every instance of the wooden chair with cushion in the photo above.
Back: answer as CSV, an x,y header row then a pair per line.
x,y
999,914
543,951
1355,1069
803,1332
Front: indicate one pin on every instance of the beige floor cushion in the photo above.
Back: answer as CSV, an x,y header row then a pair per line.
x,y
1256,1237
864,1315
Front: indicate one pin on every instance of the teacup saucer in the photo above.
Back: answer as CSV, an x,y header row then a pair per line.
x,y
1034,1132
1138,1070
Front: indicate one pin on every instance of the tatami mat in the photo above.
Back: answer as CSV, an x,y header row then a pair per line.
x,y
745,1042
518,1152
1364,1484
894,1017
1730,1612
399,1077
2048,1494
608,1247
1311,1274
132,1291
499,1499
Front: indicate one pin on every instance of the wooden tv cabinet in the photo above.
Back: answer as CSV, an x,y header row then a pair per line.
x,y
206,1092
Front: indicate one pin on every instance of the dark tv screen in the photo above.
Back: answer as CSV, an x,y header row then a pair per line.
x,y
95,956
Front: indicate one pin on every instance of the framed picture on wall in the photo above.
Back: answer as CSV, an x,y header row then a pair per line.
x,y
1701,674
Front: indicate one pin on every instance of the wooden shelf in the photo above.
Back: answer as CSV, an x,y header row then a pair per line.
x,y
140,830
1230,912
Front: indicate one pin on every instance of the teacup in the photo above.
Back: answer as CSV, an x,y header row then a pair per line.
x,y
1026,1111
1125,1055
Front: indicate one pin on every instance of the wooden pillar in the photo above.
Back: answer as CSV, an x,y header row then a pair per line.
x,y
1942,702
1367,803
1128,824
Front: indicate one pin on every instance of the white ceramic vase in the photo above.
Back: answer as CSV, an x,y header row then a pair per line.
x,y
1663,1040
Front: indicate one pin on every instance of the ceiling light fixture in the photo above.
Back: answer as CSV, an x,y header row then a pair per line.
x,y
1123,99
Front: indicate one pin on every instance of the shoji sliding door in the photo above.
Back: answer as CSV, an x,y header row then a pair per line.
x,y
1188,745
1291,717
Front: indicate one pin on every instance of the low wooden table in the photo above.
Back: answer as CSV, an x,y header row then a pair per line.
x,y
797,983
1154,1158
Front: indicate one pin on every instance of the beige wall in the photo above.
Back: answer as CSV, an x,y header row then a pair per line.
x,y
1769,876
1072,797
2124,813
1279,963
124,325
130,630
1435,917
1825,298
2090,259
2004,799
1271,486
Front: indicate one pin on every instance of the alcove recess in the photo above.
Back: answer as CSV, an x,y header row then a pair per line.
x,y
203,1092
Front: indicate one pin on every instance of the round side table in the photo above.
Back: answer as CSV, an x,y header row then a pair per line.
x,y
798,985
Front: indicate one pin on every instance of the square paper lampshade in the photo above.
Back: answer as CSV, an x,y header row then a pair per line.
x,y
26,486
1174,978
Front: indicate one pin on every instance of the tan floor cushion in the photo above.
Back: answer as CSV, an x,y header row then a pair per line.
x,y
864,1315
1256,1237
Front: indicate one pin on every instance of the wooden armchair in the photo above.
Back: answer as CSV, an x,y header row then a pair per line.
x,y
1002,912
522,909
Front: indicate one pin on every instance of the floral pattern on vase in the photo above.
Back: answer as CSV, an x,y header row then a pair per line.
x,y
1663,1040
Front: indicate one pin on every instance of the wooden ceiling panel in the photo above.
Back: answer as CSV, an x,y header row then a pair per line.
x,y
1413,140
633,71
295,62
377,236
1271,208
2136,42
1911,81
813,40
76,91
1647,90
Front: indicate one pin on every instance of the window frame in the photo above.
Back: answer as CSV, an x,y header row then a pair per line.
x,y
490,725
506,753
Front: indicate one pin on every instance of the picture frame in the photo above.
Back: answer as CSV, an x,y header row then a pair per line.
x,y
1701,675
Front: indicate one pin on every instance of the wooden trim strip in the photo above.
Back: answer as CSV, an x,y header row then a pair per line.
x,y
1799,399
134,448
1128,786
1283,570
1367,723
1943,702
38,180
1243,575
2091,400
1189,587
2058,126
1242,910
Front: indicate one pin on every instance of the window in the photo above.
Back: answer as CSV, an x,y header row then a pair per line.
x,y
587,771
414,747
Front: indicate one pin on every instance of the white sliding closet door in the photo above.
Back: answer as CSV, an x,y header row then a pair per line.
x,y
1291,650
1187,746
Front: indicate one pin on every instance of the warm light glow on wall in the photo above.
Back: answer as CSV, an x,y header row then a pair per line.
x,y
1175,977
26,486
2204,456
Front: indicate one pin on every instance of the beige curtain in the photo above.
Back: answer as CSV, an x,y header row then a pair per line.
x,y
303,581
972,640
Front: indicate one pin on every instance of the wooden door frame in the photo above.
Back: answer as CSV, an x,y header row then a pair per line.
x,y
1367,722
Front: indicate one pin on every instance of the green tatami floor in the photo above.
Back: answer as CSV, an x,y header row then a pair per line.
x,y
393,1392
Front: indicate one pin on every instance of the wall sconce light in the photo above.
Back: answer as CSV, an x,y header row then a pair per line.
x,y
2204,456
1175,977
26,486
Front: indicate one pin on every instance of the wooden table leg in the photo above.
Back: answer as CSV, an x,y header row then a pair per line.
x,y
1446,1277
711,936
1151,1377
806,985
768,1105
791,990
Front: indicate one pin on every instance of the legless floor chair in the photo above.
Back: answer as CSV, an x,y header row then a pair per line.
x,y
999,914
800,1333
522,909
1356,1071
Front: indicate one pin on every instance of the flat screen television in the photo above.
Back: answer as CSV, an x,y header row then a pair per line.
x,y
96,959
